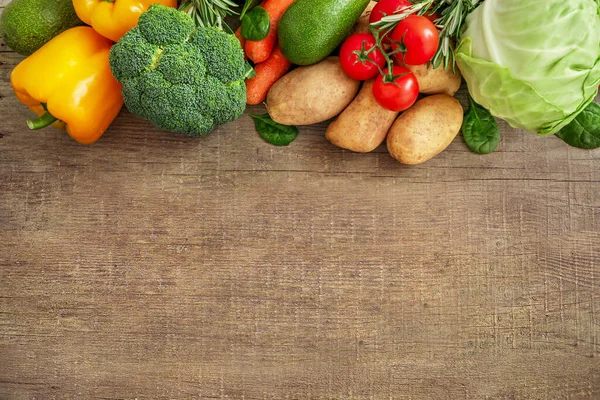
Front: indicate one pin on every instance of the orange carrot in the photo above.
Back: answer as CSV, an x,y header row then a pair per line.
x,y
259,51
238,35
267,73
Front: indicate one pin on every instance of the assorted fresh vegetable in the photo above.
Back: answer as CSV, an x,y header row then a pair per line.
x,y
381,71
413,41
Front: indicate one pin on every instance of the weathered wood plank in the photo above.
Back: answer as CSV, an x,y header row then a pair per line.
x,y
152,265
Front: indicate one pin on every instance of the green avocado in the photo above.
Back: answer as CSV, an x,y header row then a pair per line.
x,y
311,29
26,25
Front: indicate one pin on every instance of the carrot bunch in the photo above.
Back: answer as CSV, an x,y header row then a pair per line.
x,y
270,64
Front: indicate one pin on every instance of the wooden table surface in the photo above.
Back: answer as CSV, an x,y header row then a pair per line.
x,y
155,266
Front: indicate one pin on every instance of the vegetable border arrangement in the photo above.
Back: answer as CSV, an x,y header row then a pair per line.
x,y
383,71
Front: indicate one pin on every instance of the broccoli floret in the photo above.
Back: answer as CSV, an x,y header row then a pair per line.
x,y
180,77
163,26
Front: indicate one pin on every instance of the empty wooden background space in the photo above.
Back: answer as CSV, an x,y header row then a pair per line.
x,y
155,266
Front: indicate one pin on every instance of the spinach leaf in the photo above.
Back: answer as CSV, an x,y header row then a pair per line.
x,y
584,131
480,129
248,5
272,132
256,24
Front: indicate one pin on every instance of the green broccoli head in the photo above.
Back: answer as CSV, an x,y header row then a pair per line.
x,y
180,77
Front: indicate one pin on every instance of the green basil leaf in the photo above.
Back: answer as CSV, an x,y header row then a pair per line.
x,y
272,132
256,24
480,129
584,131
248,5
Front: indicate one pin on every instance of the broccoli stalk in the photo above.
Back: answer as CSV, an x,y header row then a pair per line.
x,y
179,76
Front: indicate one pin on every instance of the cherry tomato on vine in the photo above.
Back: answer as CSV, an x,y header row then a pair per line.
x,y
390,7
398,91
360,58
418,38
387,7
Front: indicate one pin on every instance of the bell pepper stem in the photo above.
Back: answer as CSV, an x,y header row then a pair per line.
x,y
39,123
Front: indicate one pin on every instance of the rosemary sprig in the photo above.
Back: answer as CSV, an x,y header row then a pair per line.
x,y
452,15
210,12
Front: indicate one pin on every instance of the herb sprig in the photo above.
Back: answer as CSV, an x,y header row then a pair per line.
x,y
207,13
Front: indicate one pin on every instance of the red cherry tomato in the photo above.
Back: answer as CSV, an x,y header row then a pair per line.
x,y
399,93
419,37
390,7
387,7
359,57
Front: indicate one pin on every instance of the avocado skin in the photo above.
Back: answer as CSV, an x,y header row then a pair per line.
x,y
311,29
26,25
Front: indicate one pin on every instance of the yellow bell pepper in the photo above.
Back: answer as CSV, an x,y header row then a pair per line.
x,y
113,18
68,83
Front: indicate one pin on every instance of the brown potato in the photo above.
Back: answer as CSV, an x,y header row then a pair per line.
x,y
362,126
312,94
425,130
436,81
362,25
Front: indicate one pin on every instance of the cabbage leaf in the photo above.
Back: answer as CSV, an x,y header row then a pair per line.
x,y
534,63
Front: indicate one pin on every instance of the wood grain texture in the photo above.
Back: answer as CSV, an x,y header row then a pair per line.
x,y
155,266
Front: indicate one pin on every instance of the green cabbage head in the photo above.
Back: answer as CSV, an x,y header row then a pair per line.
x,y
532,63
